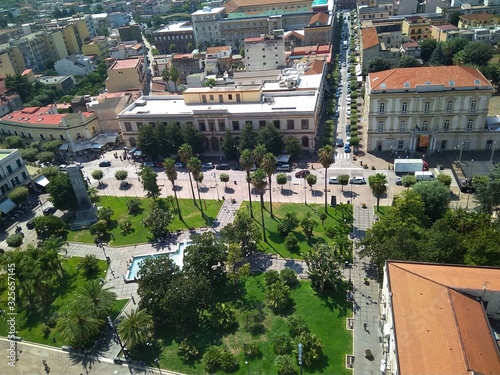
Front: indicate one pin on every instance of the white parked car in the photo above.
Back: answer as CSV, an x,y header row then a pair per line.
x,y
333,181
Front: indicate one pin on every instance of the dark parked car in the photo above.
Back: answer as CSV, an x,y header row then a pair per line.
x,y
105,163
222,167
49,210
399,181
237,168
302,174
30,224
208,166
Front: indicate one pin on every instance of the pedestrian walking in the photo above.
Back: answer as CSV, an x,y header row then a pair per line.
x,y
365,325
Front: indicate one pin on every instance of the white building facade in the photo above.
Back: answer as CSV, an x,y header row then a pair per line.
x,y
74,65
266,52
428,109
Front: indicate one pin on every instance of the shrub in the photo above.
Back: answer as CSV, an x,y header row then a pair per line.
x,y
288,224
228,362
125,226
285,365
296,325
282,344
134,206
252,322
271,277
289,276
100,228
212,357
15,240
187,351
105,213
252,350
291,243
330,231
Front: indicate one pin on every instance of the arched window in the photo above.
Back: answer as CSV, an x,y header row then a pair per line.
x,y
449,106
446,126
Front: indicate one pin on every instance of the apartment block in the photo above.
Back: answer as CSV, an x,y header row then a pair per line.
x,y
128,74
13,172
266,52
98,46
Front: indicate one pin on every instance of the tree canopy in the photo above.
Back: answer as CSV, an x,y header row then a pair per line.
x,y
378,64
61,193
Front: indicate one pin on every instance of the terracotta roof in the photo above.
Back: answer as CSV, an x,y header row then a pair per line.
x,y
295,34
253,40
126,63
318,50
369,37
233,5
180,56
439,325
446,27
320,17
316,67
38,115
477,16
409,78
218,49
411,43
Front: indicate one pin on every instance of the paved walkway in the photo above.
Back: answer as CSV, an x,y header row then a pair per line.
x,y
367,333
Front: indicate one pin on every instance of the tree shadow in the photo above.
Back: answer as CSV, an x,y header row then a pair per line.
x,y
178,188
229,190
204,189
287,192
317,193
102,185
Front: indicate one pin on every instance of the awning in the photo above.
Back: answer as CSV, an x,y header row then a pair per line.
x,y
138,153
64,147
42,181
97,146
7,205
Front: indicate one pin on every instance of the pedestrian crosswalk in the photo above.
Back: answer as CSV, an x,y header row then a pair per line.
x,y
342,156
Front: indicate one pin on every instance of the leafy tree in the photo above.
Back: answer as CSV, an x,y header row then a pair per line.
x,y
121,175
89,265
247,163
149,182
210,82
171,172
237,267
212,358
186,153
19,194
206,256
134,206
291,243
135,327
324,268
61,193
173,139
194,167
268,164
323,217
454,18
308,224
52,146
45,156
272,139
378,185
285,365
343,180
50,224
15,240
228,146
50,171
224,177
19,84
29,154
311,180
242,231
248,138
326,158
293,147
157,221
436,197
259,182
105,213
408,61
378,64
289,277
194,138
476,53
97,174
278,296
444,179
312,348
281,179
12,142
174,76
288,223
427,46
147,141
408,180
488,191
296,325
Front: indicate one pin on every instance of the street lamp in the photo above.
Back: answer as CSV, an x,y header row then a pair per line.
x,y
492,151
461,150
300,356
124,350
469,177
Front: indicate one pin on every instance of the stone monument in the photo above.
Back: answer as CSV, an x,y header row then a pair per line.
x,y
86,211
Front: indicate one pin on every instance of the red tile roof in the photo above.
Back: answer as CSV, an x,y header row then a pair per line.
x,y
218,49
446,27
310,50
295,34
448,76
38,115
253,40
316,67
320,17
441,328
369,37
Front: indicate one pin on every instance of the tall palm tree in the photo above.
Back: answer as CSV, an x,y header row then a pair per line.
x,y
78,326
96,299
269,166
247,162
135,327
258,179
186,153
326,158
258,153
194,166
171,172
57,244
378,185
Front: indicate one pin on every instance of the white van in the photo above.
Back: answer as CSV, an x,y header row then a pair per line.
x,y
283,168
424,176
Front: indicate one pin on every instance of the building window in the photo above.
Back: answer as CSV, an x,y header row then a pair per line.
x,y
41,136
446,126
62,137
305,141
402,126
401,144
304,124
221,99
238,98
290,124
128,126
236,125
449,106
230,96
19,164
24,175
201,126
276,124
204,98
211,97
404,107
262,124
9,169
473,105
381,108
427,106
469,125
211,126
381,126
425,126
222,126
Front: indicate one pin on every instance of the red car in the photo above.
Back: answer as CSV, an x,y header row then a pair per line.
x,y
159,164
302,174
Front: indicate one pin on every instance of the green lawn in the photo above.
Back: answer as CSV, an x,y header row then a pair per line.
x,y
29,325
275,242
382,210
325,317
191,218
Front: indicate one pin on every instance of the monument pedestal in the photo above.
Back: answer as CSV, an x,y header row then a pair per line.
x,y
84,218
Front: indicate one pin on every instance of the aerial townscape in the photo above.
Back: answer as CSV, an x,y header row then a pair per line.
x,y
250,187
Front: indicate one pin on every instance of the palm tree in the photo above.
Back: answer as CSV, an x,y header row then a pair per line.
x,y
186,153
96,299
171,172
135,327
259,182
194,166
50,254
378,185
246,162
77,326
269,166
325,157
258,154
